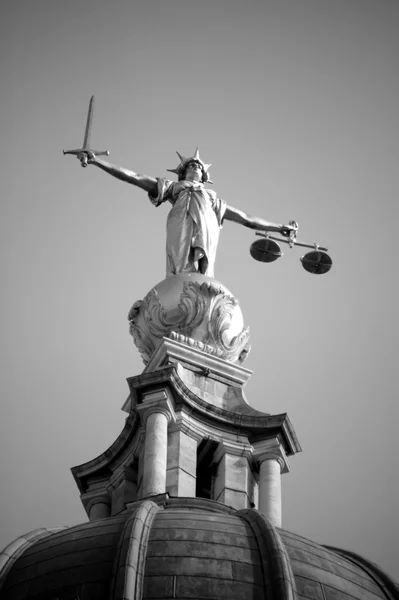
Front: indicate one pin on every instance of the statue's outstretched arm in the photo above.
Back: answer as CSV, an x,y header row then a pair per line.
x,y
149,184
238,216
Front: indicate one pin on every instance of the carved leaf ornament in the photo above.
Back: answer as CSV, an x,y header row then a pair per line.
x,y
203,319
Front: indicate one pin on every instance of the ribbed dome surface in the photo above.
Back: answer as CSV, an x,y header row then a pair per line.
x,y
195,554
330,574
185,548
76,562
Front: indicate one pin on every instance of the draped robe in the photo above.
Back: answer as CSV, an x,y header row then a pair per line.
x,y
193,224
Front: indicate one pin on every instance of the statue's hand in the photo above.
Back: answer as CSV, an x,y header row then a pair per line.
x,y
86,158
287,230
91,157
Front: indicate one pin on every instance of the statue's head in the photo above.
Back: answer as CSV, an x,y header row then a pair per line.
x,y
191,164
194,171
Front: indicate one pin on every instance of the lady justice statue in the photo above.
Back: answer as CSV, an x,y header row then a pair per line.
x,y
189,307
197,214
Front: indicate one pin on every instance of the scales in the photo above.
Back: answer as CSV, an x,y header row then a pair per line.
x,y
268,250
265,250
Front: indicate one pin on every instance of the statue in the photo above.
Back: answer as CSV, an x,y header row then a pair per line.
x,y
197,214
189,306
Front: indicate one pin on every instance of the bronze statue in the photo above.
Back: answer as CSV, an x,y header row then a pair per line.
x,y
196,216
190,306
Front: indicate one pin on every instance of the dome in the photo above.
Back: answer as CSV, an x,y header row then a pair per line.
x,y
167,547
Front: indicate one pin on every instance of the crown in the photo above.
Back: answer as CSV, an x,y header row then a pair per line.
x,y
180,169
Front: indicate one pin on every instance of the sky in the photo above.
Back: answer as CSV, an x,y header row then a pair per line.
x,y
295,104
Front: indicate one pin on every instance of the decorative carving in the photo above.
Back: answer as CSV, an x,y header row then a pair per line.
x,y
155,315
195,302
221,315
138,331
199,313
183,339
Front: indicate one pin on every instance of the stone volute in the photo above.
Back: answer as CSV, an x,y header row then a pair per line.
x,y
194,309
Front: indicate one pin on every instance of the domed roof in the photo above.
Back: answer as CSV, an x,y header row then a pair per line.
x,y
184,548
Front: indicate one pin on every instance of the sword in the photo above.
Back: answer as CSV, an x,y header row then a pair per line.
x,y
81,153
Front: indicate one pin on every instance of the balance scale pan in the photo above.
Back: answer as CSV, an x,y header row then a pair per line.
x,y
265,250
316,262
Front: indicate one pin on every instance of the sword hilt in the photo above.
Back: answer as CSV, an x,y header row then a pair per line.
x,y
81,154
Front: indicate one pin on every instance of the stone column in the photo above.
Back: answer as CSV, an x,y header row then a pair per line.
x,y
97,507
157,412
273,462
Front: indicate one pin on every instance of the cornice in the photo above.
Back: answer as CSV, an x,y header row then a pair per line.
x,y
233,448
173,351
156,402
271,449
253,425
104,460
89,499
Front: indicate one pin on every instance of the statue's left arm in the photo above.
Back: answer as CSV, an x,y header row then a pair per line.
x,y
240,217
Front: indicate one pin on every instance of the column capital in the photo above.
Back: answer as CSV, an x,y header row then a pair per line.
x,y
271,449
189,426
90,499
233,448
157,401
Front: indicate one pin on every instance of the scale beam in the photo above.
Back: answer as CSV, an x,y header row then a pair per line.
x,y
291,242
268,250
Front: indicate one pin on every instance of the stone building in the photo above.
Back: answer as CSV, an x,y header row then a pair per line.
x,y
186,503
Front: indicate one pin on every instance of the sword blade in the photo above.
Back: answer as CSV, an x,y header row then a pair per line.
x,y
86,141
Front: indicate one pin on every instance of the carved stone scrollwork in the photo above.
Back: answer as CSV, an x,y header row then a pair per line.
x,y
195,310
140,333
195,299
221,316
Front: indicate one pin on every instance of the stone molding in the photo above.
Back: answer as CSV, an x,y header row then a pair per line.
x,y
275,561
120,452
233,448
271,449
171,351
90,499
228,489
123,473
186,425
129,571
199,430
250,422
156,402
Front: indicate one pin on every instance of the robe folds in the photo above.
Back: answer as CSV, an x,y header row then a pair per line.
x,y
193,226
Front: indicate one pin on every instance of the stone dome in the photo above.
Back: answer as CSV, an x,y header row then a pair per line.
x,y
165,547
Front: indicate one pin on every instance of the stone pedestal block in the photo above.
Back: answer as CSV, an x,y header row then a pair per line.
x,y
234,479
181,464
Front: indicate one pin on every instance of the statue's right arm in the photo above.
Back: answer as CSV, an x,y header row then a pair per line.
x,y
149,184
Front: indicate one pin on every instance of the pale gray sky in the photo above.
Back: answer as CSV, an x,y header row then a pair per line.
x,y
295,102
